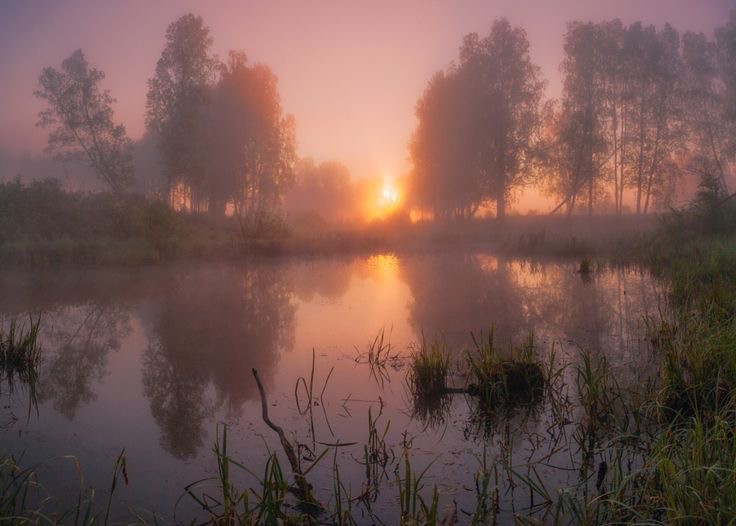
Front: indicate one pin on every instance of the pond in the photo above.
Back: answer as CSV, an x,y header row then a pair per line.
x,y
155,360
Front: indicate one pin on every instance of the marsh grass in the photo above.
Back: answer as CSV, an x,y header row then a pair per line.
x,y
20,354
497,379
20,358
414,508
227,504
429,371
24,500
379,356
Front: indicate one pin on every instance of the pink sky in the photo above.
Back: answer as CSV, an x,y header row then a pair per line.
x,y
350,72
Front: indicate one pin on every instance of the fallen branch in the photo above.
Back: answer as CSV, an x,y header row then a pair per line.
x,y
303,486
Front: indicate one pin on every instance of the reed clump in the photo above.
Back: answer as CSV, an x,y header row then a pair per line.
x,y
20,354
429,371
497,379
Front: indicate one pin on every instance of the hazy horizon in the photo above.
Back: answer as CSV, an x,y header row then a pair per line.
x,y
350,74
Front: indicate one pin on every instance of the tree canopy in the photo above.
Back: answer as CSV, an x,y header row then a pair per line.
x,y
80,113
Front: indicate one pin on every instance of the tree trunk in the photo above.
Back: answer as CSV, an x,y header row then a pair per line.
x,y
501,206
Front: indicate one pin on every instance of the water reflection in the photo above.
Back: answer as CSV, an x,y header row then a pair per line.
x,y
173,348
79,339
457,294
209,328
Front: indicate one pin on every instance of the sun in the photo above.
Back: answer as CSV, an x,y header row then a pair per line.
x,y
389,194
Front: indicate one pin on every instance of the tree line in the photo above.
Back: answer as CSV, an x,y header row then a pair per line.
x,y
640,107
220,132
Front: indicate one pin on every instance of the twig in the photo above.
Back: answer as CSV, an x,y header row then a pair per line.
x,y
304,488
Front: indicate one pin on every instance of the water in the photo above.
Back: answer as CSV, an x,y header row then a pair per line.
x,y
152,360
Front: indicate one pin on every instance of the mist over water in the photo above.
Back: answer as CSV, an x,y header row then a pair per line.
x,y
151,360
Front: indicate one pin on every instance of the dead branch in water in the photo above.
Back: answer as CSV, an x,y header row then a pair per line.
x,y
303,486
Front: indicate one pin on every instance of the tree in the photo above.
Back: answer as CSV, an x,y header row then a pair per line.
x,y
620,116
726,46
704,99
176,104
324,189
582,114
446,178
653,68
253,145
478,126
81,113
509,107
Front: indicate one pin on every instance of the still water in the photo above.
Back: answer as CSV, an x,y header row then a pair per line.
x,y
153,360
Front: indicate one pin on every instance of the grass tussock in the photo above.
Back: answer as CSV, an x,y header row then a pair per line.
x,y
20,354
429,371
496,379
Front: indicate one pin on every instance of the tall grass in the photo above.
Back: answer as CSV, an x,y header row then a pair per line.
x,y
20,353
496,378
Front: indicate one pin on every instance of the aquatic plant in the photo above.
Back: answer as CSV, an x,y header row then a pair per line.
x,y
428,371
20,353
495,379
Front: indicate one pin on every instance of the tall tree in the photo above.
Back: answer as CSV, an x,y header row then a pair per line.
x,y
726,43
651,63
252,146
80,112
620,115
478,125
704,99
509,107
583,113
178,95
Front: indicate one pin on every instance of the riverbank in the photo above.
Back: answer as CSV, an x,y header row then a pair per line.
x,y
42,225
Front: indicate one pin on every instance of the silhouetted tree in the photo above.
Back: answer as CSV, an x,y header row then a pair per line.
x,y
81,113
177,100
252,144
619,120
477,125
726,43
509,111
711,132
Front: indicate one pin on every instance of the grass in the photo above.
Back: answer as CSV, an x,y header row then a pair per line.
x,y
429,371
20,354
23,500
512,379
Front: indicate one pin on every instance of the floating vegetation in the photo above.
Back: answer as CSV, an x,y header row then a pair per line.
x,y
379,355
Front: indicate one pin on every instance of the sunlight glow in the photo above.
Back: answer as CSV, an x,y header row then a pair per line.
x,y
388,200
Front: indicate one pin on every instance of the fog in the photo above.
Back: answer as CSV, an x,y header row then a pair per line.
x,y
368,263
351,82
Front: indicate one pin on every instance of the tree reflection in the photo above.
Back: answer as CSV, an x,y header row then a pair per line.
x,y
462,293
209,329
331,282
80,339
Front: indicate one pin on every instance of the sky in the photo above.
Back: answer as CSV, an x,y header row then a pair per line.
x,y
349,71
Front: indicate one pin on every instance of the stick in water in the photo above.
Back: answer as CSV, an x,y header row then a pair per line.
x,y
305,489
